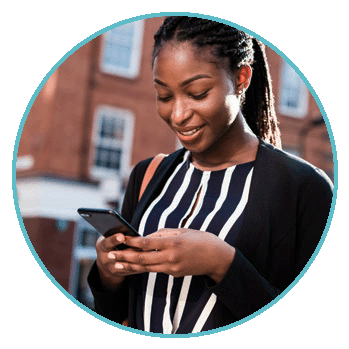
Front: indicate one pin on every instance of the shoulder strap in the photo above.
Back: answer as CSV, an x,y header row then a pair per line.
x,y
150,172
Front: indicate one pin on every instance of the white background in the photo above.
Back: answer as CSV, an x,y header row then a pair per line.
x,y
35,36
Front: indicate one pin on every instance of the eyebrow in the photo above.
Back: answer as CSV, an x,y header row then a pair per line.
x,y
186,82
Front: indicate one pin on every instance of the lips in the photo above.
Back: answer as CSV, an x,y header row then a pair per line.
x,y
189,134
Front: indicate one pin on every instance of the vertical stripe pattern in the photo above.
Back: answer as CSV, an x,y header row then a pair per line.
x,y
202,200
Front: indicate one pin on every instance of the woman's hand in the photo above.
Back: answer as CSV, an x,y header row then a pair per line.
x,y
110,274
177,252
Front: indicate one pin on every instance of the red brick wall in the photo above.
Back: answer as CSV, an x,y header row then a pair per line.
x,y
53,247
52,133
58,129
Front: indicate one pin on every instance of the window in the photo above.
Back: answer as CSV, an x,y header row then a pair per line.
x,y
121,50
112,141
293,99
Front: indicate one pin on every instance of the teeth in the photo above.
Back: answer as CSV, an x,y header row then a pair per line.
x,y
189,133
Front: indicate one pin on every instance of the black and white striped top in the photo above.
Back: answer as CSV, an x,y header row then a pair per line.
x,y
163,302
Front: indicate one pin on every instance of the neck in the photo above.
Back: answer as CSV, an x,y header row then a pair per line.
x,y
238,145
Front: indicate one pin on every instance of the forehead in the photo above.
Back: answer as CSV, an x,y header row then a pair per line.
x,y
184,59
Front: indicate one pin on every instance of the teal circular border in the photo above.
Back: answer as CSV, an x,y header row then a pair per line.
x,y
160,14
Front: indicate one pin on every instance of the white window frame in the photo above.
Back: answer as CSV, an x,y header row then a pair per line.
x,y
136,54
125,144
291,80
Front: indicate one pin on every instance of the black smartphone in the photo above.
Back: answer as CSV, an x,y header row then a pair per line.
x,y
107,222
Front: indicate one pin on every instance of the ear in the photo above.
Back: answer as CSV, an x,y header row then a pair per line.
x,y
244,75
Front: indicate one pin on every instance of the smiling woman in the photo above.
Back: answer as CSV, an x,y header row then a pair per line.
x,y
228,222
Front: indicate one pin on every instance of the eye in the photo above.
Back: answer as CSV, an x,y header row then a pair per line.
x,y
163,99
199,96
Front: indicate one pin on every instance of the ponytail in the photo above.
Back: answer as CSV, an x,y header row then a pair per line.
x,y
258,106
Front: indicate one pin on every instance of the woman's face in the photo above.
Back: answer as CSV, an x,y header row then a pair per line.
x,y
195,95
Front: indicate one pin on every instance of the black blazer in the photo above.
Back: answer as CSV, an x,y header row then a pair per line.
x,y
286,214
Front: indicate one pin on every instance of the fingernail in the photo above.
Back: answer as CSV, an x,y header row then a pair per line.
x,y
111,255
119,266
120,238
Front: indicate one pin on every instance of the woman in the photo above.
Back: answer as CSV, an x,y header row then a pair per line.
x,y
229,221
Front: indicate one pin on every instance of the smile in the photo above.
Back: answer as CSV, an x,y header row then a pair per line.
x,y
190,132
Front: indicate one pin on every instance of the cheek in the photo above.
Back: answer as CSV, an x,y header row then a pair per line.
x,y
164,112
221,118
218,111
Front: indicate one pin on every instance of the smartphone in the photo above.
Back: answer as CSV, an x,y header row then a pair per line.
x,y
107,222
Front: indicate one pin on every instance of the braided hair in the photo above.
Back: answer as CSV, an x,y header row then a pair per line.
x,y
241,49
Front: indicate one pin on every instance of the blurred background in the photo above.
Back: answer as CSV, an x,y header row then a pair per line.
x,y
94,119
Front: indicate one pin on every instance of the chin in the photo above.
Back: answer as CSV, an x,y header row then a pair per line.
x,y
195,149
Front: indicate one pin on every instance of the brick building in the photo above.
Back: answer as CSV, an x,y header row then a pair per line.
x,y
94,119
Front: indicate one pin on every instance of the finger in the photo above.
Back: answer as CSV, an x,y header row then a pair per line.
x,y
136,257
126,268
165,232
119,255
148,243
106,244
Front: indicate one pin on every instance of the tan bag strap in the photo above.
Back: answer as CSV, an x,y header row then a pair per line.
x,y
150,172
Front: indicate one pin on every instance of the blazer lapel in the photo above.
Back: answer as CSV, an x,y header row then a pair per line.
x,y
254,236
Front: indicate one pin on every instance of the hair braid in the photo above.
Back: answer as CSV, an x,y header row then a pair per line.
x,y
258,107
241,49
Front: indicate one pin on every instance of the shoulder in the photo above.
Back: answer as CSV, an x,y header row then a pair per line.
x,y
277,163
173,158
139,170
131,197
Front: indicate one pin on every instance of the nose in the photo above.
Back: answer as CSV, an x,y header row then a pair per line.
x,y
181,112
